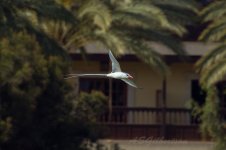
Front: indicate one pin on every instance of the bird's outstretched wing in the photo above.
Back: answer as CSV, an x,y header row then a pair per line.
x,y
114,63
130,82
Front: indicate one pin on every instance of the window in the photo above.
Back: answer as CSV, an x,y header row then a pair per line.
x,y
119,89
119,94
197,94
222,94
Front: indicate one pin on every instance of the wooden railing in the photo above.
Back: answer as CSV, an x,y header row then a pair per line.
x,y
164,123
148,116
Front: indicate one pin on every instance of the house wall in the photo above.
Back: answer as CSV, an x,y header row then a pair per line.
x,y
178,90
83,67
178,82
147,79
178,86
86,67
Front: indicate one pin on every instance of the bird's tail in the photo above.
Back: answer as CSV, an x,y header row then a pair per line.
x,y
80,75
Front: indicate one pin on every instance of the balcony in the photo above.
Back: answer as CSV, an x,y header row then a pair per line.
x,y
146,123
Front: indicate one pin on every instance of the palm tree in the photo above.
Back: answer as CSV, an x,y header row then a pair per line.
x,y
18,15
127,24
212,67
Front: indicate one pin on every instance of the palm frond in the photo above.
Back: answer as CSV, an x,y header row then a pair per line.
x,y
149,56
144,10
46,9
212,66
215,15
132,19
99,13
128,25
159,36
25,15
112,41
214,11
50,46
180,15
183,4
213,74
211,57
216,31
150,12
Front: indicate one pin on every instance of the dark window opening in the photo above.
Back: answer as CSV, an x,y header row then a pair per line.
x,y
119,95
221,86
119,89
198,95
222,93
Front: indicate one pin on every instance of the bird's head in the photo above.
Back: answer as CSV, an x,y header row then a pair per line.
x,y
129,76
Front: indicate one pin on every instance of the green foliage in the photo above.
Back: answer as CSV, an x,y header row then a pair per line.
x,y
126,25
93,105
38,108
211,122
211,68
212,65
20,15
210,116
216,13
5,128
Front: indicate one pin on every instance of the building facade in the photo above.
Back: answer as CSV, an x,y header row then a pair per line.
x,y
161,107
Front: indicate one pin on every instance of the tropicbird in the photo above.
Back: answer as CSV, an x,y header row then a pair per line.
x,y
116,73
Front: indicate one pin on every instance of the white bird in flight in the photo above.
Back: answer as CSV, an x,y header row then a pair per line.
x,y
116,73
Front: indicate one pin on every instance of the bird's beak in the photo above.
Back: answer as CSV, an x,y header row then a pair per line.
x,y
130,77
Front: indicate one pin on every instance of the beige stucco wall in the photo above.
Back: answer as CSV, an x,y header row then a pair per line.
x,y
178,82
85,66
145,78
178,86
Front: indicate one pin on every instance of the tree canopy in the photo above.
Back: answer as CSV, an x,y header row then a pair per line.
x,y
19,15
212,70
212,65
38,108
126,25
